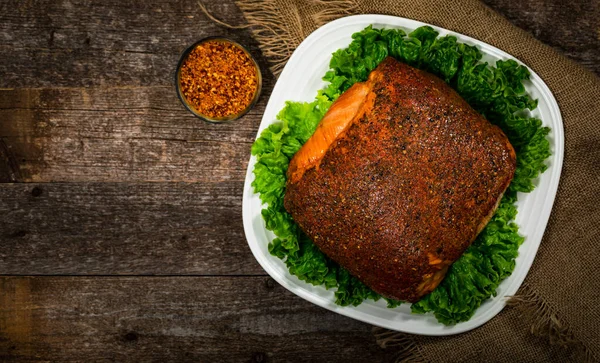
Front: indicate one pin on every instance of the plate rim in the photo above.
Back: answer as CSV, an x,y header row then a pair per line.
x,y
349,311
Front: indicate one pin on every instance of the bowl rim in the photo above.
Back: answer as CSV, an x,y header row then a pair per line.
x,y
190,108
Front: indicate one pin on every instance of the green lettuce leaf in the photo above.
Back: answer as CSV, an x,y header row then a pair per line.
x,y
497,92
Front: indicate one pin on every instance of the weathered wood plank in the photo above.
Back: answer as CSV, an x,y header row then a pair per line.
x,y
120,134
143,134
569,26
134,319
73,43
123,228
109,43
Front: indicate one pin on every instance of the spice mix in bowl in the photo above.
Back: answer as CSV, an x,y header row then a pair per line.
x,y
218,80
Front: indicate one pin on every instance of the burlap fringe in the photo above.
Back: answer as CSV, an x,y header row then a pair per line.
x,y
274,36
408,351
277,43
270,31
335,9
267,27
546,324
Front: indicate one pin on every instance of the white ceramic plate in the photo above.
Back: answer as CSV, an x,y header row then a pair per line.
x,y
300,80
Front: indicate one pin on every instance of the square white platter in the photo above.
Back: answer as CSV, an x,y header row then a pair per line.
x,y
300,81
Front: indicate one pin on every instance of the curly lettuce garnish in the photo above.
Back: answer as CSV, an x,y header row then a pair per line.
x,y
497,92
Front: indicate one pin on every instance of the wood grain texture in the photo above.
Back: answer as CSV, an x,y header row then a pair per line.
x,y
123,228
191,319
74,43
87,94
572,27
88,111
130,125
66,43
119,134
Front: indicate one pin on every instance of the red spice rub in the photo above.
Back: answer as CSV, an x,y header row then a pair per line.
x,y
218,79
406,187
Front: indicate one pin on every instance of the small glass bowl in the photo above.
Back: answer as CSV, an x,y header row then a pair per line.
x,y
191,108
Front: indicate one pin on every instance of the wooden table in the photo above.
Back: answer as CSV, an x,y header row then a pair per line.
x,y
121,234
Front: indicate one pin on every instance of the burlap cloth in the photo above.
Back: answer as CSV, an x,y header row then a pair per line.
x,y
556,314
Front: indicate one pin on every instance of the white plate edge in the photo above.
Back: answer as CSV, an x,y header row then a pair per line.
x,y
558,133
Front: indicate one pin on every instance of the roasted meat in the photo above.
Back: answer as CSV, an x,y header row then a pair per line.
x,y
398,179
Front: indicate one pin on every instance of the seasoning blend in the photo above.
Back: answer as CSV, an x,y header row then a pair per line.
x,y
218,80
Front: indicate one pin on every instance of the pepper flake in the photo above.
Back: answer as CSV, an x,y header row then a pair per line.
x,y
218,79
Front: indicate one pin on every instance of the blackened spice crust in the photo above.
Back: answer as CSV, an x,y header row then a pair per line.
x,y
408,187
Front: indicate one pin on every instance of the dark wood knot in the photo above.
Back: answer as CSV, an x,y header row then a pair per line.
x,y
131,336
270,283
18,234
36,191
259,357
